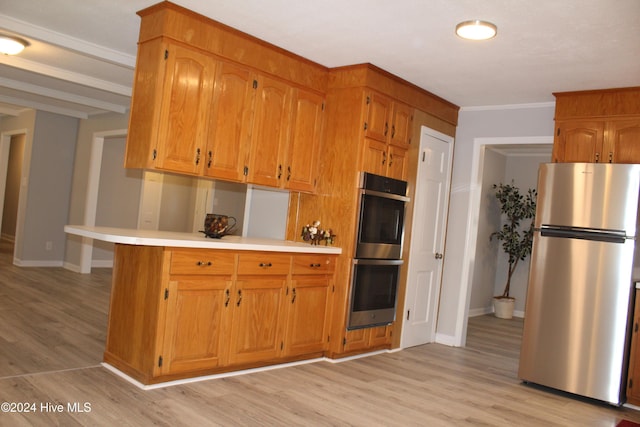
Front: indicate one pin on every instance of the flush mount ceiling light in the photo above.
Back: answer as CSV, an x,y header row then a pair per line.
x,y
10,45
476,30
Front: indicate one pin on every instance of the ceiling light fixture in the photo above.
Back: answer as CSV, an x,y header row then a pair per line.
x,y
476,30
10,45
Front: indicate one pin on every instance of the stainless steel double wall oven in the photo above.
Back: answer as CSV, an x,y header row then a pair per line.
x,y
378,254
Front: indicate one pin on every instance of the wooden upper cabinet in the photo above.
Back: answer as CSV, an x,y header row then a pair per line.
x,y
397,163
187,95
230,122
378,117
401,125
270,131
599,141
171,97
598,126
623,141
388,120
301,164
578,141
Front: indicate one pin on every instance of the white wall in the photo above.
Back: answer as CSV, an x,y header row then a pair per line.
x,y
267,213
520,121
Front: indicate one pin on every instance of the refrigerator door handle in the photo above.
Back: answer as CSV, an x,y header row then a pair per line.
x,y
609,236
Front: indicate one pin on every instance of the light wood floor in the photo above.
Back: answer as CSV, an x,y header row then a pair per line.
x,y
52,328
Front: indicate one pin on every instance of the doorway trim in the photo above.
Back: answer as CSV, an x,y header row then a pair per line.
x,y
475,194
91,196
5,145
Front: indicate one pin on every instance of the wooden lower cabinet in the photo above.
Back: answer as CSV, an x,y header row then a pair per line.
x,y
633,376
258,319
196,324
367,338
181,312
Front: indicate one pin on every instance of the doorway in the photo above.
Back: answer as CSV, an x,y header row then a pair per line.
x,y
12,149
480,147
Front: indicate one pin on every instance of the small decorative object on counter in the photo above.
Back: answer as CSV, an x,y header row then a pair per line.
x,y
216,226
314,234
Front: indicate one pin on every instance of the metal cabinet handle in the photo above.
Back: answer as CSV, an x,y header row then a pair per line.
x,y
386,129
210,159
288,173
228,297
198,156
597,157
610,157
265,264
315,265
279,171
384,158
204,263
293,295
239,298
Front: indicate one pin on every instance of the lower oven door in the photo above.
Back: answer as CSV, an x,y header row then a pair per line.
x,y
373,292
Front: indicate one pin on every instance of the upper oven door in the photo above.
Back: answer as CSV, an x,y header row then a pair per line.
x,y
381,225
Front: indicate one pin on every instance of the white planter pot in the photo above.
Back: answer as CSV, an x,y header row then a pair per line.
x,y
503,307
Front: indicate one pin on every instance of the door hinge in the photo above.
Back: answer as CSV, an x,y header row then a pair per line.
x,y
281,345
255,84
344,341
328,338
630,383
333,289
368,100
635,327
246,171
166,53
408,313
159,361
365,125
166,293
558,133
323,106
155,154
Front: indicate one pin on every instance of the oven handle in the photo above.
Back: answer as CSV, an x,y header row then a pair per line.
x,y
378,261
385,195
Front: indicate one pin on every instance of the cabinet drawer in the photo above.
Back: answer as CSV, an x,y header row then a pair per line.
x,y
264,263
314,264
202,261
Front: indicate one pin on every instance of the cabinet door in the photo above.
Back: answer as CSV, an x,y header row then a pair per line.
x,y
633,379
380,336
623,141
308,319
303,153
397,163
357,339
579,141
258,317
378,117
186,97
401,125
196,324
230,123
270,131
374,157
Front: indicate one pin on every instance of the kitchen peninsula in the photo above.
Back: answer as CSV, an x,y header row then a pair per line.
x,y
183,305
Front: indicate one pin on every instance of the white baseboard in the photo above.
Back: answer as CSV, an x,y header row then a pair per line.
x,y
488,310
22,263
449,340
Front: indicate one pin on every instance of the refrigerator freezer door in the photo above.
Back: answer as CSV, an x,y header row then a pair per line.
x,y
576,320
590,195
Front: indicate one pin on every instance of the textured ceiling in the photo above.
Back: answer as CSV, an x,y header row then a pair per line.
x,y
82,54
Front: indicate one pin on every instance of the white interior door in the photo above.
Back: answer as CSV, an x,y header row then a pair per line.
x,y
427,238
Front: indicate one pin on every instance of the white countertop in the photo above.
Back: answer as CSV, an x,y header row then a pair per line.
x,y
194,240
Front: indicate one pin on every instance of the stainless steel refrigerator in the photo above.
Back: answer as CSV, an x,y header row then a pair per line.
x,y
579,297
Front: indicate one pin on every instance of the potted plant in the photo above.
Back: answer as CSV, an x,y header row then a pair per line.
x,y
516,242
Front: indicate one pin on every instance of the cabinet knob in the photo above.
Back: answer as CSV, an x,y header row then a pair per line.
x,y
439,255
